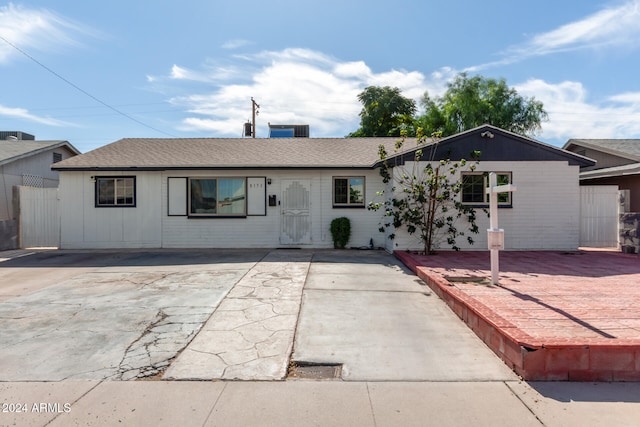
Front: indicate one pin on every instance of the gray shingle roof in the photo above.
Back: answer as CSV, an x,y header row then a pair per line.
x,y
203,153
629,148
302,153
14,150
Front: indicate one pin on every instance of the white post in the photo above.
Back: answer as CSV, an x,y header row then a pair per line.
x,y
493,224
495,235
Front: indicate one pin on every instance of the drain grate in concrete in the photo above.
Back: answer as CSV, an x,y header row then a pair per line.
x,y
315,371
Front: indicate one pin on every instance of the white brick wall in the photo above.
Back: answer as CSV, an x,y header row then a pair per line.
x,y
264,231
545,212
148,225
85,226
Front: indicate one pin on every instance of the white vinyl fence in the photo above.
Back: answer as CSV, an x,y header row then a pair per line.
x,y
599,217
39,222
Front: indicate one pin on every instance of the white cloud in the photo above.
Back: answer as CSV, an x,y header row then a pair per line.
x,y
36,29
299,86
355,70
211,73
181,73
21,113
295,85
628,97
573,115
610,27
235,44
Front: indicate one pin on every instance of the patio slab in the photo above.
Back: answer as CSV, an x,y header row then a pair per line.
x,y
555,316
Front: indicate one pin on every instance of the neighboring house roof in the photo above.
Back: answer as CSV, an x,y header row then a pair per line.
x,y
626,148
11,151
277,153
617,171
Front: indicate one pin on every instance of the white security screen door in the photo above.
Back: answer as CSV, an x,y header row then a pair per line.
x,y
296,215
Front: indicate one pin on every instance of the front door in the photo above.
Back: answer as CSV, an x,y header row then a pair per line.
x,y
296,213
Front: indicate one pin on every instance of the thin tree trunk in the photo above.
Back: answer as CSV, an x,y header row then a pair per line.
x,y
433,193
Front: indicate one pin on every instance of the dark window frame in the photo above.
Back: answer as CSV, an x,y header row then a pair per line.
x,y
115,179
505,200
216,214
348,203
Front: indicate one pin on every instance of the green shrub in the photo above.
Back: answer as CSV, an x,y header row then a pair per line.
x,y
340,232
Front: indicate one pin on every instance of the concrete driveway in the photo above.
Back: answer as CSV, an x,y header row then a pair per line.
x,y
108,315
241,314
366,311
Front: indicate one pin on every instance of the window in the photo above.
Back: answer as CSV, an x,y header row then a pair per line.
x,y
114,191
217,197
474,187
57,157
348,191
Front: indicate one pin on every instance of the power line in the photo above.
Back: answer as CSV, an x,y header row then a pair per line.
x,y
84,91
85,107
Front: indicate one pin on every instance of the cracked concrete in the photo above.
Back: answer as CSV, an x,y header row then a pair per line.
x,y
250,334
127,317
228,315
168,334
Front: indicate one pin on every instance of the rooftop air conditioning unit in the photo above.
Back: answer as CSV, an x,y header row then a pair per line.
x,y
288,131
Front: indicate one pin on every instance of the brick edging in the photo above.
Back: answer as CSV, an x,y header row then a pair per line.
x,y
531,358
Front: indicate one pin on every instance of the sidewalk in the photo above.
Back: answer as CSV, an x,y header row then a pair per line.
x,y
320,403
555,316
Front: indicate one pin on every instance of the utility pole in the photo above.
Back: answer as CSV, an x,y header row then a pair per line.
x,y
255,111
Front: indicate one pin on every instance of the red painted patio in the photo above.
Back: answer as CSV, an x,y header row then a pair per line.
x,y
556,316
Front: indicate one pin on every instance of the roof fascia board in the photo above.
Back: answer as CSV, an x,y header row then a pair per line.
x,y
610,172
171,168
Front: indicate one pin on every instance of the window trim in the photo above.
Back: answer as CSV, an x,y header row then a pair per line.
x,y
216,215
349,204
97,203
485,175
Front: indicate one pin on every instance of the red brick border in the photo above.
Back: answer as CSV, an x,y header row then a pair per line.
x,y
534,359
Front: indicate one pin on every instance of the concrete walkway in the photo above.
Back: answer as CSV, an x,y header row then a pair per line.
x,y
555,316
250,334
320,403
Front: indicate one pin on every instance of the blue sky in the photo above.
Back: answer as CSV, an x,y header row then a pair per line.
x,y
94,72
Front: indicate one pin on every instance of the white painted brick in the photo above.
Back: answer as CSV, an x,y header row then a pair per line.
x,y
545,212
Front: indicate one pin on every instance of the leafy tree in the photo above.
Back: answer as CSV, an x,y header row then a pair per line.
x,y
473,101
385,112
426,200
